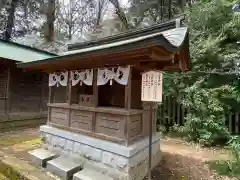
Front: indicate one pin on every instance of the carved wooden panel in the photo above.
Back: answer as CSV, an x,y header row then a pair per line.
x,y
135,125
81,120
111,125
59,116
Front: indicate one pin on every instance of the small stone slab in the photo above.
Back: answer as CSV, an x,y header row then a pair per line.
x,y
63,167
89,174
41,156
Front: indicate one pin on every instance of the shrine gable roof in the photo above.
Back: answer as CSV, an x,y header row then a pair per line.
x,y
164,39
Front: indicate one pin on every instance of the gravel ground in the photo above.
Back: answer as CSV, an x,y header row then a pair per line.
x,y
180,161
178,167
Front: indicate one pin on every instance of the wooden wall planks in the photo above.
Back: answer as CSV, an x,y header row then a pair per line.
x,y
81,120
112,125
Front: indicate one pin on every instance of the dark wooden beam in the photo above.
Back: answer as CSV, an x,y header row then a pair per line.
x,y
156,56
94,64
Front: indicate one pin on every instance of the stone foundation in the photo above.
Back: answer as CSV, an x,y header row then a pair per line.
x,y
132,161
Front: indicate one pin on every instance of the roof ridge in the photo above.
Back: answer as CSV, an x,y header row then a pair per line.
x,y
126,35
166,35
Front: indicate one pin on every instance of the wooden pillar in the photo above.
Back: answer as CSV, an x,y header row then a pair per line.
x,y
95,97
69,97
42,93
8,100
69,91
95,88
128,90
50,100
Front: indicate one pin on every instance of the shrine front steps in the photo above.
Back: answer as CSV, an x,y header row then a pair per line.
x,y
63,167
89,174
66,168
41,156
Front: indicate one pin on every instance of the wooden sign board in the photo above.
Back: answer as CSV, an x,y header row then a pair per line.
x,y
152,82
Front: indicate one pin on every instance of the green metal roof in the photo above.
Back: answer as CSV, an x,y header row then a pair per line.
x,y
16,52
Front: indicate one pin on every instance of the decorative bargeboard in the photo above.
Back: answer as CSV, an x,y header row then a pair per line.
x,y
105,75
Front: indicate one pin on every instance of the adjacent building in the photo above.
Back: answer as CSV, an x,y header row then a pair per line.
x,y
23,95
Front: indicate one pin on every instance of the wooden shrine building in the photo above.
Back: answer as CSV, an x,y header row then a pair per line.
x,y
100,115
23,96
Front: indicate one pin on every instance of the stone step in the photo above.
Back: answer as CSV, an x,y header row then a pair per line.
x,y
41,156
89,174
63,167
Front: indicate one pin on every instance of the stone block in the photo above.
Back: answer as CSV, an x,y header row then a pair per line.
x,y
63,167
88,152
114,160
46,137
58,142
68,145
41,156
89,174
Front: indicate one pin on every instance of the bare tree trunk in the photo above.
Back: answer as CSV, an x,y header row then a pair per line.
x,y
100,8
10,20
121,15
70,25
169,9
70,31
181,4
49,31
162,10
189,2
25,7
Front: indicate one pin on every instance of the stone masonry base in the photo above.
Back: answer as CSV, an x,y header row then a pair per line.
x,y
132,161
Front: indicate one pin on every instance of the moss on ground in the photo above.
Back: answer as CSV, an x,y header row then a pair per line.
x,y
8,173
2,177
32,142
10,141
18,141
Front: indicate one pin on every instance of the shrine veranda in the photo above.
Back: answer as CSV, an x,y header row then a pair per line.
x,y
95,108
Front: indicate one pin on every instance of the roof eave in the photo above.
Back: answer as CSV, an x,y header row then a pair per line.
x,y
145,44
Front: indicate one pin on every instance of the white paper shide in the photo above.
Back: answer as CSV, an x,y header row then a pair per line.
x,y
104,76
119,74
58,78
84,76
